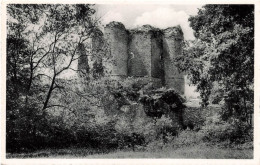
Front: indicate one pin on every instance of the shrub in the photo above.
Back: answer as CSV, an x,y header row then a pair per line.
x,y
144,132
92,114
187,138
193,117
216,130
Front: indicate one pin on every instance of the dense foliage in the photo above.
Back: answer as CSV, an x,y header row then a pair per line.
x,y
42,44
220,61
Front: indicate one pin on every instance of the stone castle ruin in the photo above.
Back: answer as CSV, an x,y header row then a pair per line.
x,y
145,52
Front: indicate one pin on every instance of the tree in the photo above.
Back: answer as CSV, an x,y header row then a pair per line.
x,y
56,33
223,53
42,46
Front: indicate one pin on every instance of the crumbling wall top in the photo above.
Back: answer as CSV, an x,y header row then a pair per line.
x,y
145,29
173,32
116,25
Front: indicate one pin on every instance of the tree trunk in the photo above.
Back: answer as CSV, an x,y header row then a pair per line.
x,y
49,93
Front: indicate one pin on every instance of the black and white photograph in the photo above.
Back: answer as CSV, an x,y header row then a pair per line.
x,y
128,81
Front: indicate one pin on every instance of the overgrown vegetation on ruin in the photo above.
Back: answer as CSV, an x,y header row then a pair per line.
x,y
47,110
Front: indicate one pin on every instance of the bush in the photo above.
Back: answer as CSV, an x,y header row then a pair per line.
x,y
193,117
104,114
216,130
187,138
145,132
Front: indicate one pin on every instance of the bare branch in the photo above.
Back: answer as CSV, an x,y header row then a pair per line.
x,y
42,75
39,61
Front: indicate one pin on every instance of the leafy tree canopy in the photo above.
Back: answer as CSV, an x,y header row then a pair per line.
x,y
222,53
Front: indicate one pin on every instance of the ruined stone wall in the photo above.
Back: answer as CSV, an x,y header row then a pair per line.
x,y
146,52
172,46
97,44
140,54
157,53
83,66
117,39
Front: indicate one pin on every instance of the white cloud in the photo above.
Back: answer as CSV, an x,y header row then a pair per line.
x,y
113,16
161,16
164,18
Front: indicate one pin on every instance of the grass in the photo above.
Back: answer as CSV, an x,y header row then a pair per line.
x,y
188,152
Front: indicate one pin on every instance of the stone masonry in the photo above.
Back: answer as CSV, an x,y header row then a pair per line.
x,y
145,52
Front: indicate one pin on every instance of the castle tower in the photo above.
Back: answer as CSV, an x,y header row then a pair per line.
x,y
117,39
172,46
145,51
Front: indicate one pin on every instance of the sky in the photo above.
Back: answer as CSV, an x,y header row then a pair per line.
x,y
160,16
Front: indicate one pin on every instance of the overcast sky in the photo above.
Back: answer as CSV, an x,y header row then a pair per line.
x,y
161,16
